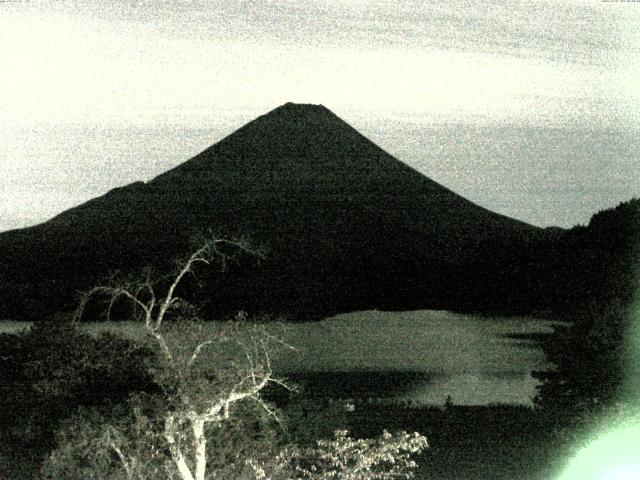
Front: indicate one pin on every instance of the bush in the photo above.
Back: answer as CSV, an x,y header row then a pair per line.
x,y
50,370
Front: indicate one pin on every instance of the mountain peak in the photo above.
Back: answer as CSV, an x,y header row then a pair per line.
x,y
293,144
300,111
302,106
347,226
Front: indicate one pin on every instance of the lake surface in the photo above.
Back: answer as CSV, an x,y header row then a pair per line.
x,y
419,356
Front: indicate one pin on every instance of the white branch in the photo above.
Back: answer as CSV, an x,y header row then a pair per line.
x,y
114,293
200,347
258,370
174,449
197,256
269,411
282,383
200,444
213,414
164,346
122,458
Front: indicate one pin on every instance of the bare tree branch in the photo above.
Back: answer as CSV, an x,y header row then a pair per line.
x,y
201,346
194,411
271,412
200,255
174,449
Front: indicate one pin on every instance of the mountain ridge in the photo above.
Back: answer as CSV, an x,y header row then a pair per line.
x,y
348,225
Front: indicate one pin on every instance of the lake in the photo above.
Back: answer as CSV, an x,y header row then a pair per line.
x,y
419,356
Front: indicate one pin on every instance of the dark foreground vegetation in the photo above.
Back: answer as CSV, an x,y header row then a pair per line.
x,y
50,372
473,443
183,404
65,395
53,372
71,403
55,381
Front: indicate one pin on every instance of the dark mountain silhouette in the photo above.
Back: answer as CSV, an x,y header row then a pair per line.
x,y
346,226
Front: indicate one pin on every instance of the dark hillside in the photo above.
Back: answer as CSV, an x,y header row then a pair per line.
x,y
586,270
346,227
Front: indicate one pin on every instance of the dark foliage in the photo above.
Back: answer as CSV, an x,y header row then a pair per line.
x,y
569,274
498,442
49,371
589,359
592,355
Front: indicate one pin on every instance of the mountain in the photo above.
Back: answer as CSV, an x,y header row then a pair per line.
x,y
346,226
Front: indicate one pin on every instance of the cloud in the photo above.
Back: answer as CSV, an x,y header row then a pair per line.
x,y
133,62
125,65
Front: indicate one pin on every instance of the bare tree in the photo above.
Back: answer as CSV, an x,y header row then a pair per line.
x,y
207,373
197,400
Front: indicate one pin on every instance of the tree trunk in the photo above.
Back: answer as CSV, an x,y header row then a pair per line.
x,y
176,453
200,446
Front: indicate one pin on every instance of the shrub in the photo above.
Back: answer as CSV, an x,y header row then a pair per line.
x,y
50,370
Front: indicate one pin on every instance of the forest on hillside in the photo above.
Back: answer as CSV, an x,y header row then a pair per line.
x,y
81,406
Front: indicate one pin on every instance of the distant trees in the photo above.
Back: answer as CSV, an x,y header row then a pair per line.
x,y
589,358
595,356
208,418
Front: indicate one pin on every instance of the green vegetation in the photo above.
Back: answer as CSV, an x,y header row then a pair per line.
x,y
194,408
51,370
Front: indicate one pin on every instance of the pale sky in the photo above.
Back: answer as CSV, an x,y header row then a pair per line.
x,y
527,108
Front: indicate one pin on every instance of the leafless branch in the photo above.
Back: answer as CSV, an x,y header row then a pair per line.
x,y
282,382
280,341
271,412
201,346
255,375
114,293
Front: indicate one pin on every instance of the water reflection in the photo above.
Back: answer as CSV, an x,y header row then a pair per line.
x,y
420,357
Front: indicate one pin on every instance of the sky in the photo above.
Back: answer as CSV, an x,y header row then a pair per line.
x,y
526,108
